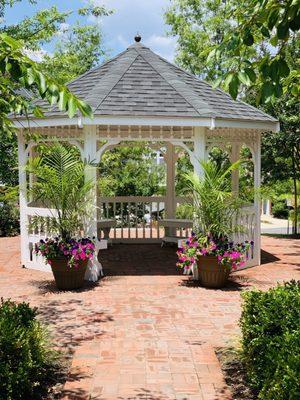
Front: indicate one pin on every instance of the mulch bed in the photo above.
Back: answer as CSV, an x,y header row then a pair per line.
x,y
235,374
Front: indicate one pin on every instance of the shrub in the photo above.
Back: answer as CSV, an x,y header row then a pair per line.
x,y
270,325
280,210
26,360
9,219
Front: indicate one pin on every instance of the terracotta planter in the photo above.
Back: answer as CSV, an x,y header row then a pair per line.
x,y
67,278
211,274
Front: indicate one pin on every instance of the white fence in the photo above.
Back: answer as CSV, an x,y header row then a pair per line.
x,y
137,219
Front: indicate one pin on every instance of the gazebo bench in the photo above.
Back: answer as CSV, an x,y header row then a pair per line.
x,y
172,224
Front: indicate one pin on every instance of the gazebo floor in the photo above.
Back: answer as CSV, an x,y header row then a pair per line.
x,y
144,331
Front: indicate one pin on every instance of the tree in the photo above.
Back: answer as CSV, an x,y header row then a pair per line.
x,y
238,43
18,71
130,171
79,51
265,71
281,150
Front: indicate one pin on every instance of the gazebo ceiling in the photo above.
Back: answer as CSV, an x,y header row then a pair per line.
x,y
139,83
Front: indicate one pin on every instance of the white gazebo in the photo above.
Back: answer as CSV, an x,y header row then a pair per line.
x,y
138,97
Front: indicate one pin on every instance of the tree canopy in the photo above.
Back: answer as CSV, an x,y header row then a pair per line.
x,y
238,43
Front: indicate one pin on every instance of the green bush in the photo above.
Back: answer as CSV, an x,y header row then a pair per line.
x,y
26,360
270,325
280,210
9,211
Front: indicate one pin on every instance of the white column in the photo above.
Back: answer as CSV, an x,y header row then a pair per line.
x,y
235,155
22,159
199,150
170,204
89,154
170,191
257,202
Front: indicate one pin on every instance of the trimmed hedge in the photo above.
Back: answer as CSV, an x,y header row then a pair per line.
x,y
270,324
26,360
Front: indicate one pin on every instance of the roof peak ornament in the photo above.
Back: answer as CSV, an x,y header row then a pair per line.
x,y
137,38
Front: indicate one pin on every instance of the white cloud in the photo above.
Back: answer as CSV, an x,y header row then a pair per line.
x,y
35,55
132,16
162,45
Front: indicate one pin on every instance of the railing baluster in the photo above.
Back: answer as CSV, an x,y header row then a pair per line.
x,y
129,220
144,222
136,220
151,224
115,229
157,218
121,219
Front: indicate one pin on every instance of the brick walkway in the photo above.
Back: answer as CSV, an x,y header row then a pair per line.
x,y
144,332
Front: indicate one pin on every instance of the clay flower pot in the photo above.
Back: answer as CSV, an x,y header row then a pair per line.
x,y
67,278
211,273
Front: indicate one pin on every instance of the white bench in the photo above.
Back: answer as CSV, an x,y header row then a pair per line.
x,y
172,224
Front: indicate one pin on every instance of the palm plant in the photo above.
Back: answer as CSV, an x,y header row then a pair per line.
x,y
212,200
60,185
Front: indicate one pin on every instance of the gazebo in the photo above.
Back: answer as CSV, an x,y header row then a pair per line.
x,y
139,97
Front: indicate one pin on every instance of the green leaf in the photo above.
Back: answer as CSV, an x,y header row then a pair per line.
x,y
37,112
85,109
267,91
72,106
284,69
248,38
295,23
283,30
62,99
216,83
273,18
265,32
10,41
234,86
244,78
211,55
250,72
42,82
228,79
274,41
274,70
30,76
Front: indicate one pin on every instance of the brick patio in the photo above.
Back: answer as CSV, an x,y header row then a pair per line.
x,y
144,331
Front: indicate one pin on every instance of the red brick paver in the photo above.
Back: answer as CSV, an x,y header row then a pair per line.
x,y
144,331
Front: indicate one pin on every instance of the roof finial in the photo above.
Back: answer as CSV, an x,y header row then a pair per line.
x,y
137,37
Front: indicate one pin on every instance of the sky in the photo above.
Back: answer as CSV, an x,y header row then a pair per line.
x,y
119,29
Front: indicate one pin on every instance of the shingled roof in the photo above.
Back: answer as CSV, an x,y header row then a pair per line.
x,y
138,82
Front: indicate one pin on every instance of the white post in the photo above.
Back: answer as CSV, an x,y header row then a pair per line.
x,y
235,155
170,206
22,159
199,150
257,202
89,154
170,192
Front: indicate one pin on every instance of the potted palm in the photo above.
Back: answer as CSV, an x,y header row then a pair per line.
x,y
215,208
59,185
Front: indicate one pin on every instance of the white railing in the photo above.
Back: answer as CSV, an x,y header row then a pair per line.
x,y
136,220
39,226
245,219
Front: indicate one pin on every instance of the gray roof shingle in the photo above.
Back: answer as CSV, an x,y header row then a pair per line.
x,y
138,82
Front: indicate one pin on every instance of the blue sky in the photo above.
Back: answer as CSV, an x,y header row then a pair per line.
x,y
130,16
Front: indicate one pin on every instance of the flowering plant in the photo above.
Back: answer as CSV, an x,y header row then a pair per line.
x,y
230,255
75,250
